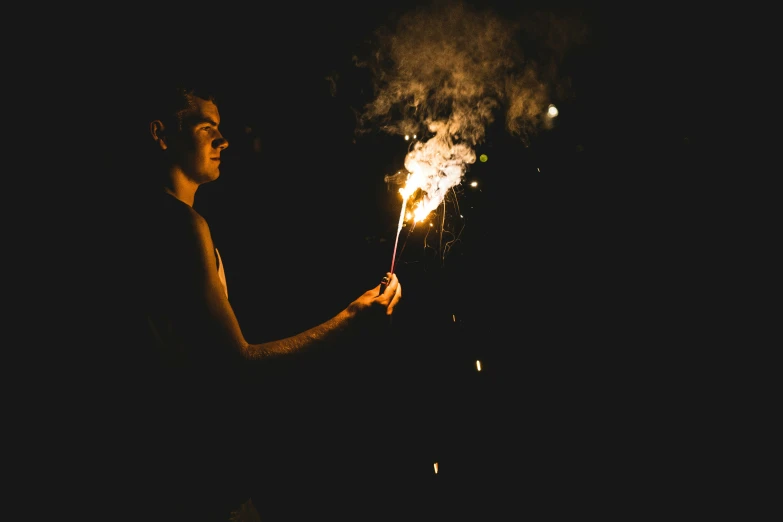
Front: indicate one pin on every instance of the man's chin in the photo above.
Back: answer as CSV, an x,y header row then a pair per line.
x,y
212,176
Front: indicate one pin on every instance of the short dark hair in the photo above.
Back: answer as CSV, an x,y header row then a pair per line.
x,y
172,104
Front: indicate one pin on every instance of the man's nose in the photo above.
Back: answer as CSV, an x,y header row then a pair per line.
x,y
220,143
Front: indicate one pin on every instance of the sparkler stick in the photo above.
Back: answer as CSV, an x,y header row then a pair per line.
x,y
399,228
396,240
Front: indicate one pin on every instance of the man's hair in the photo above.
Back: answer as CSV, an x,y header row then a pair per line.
x,y
172,104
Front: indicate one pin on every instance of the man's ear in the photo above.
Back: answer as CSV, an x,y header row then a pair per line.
x,y
158,132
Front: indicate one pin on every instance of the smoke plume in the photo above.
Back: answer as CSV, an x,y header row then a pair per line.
x,y
447,71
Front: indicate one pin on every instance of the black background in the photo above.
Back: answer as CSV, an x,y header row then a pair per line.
x,y
574,282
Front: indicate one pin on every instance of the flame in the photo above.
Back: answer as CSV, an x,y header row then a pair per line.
x,y
434,167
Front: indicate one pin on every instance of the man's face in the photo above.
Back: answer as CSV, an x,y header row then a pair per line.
x,y
200,143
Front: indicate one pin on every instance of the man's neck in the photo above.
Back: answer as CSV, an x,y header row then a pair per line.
x,y
181,188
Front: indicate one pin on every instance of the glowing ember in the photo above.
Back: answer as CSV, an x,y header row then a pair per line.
x,y
435,167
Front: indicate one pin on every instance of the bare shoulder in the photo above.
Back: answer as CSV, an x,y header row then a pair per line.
x,y
176,230
196,222
187,219
199,233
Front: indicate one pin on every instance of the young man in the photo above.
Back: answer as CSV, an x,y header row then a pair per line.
x,y
190,317
186,357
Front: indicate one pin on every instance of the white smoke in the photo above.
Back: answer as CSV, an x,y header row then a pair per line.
x,y
445,71
435,166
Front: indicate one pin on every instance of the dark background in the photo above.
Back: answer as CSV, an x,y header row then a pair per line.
x,y
574,280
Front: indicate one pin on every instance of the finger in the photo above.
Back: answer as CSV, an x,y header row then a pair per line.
x,y
394,300
393,281
391,285
397,294
381,288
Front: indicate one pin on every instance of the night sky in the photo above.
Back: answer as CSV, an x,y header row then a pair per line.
x,y
555,270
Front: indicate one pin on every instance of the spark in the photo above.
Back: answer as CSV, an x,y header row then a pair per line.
x,y
454,71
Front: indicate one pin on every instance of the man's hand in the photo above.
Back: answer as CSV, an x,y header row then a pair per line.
x,y
380,298
392,294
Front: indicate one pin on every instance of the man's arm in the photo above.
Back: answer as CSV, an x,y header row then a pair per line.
x,y
211,321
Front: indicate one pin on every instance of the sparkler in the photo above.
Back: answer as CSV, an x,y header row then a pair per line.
x,y
434,167
405,193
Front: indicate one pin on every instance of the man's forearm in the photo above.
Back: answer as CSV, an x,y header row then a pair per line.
x,y
323,334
